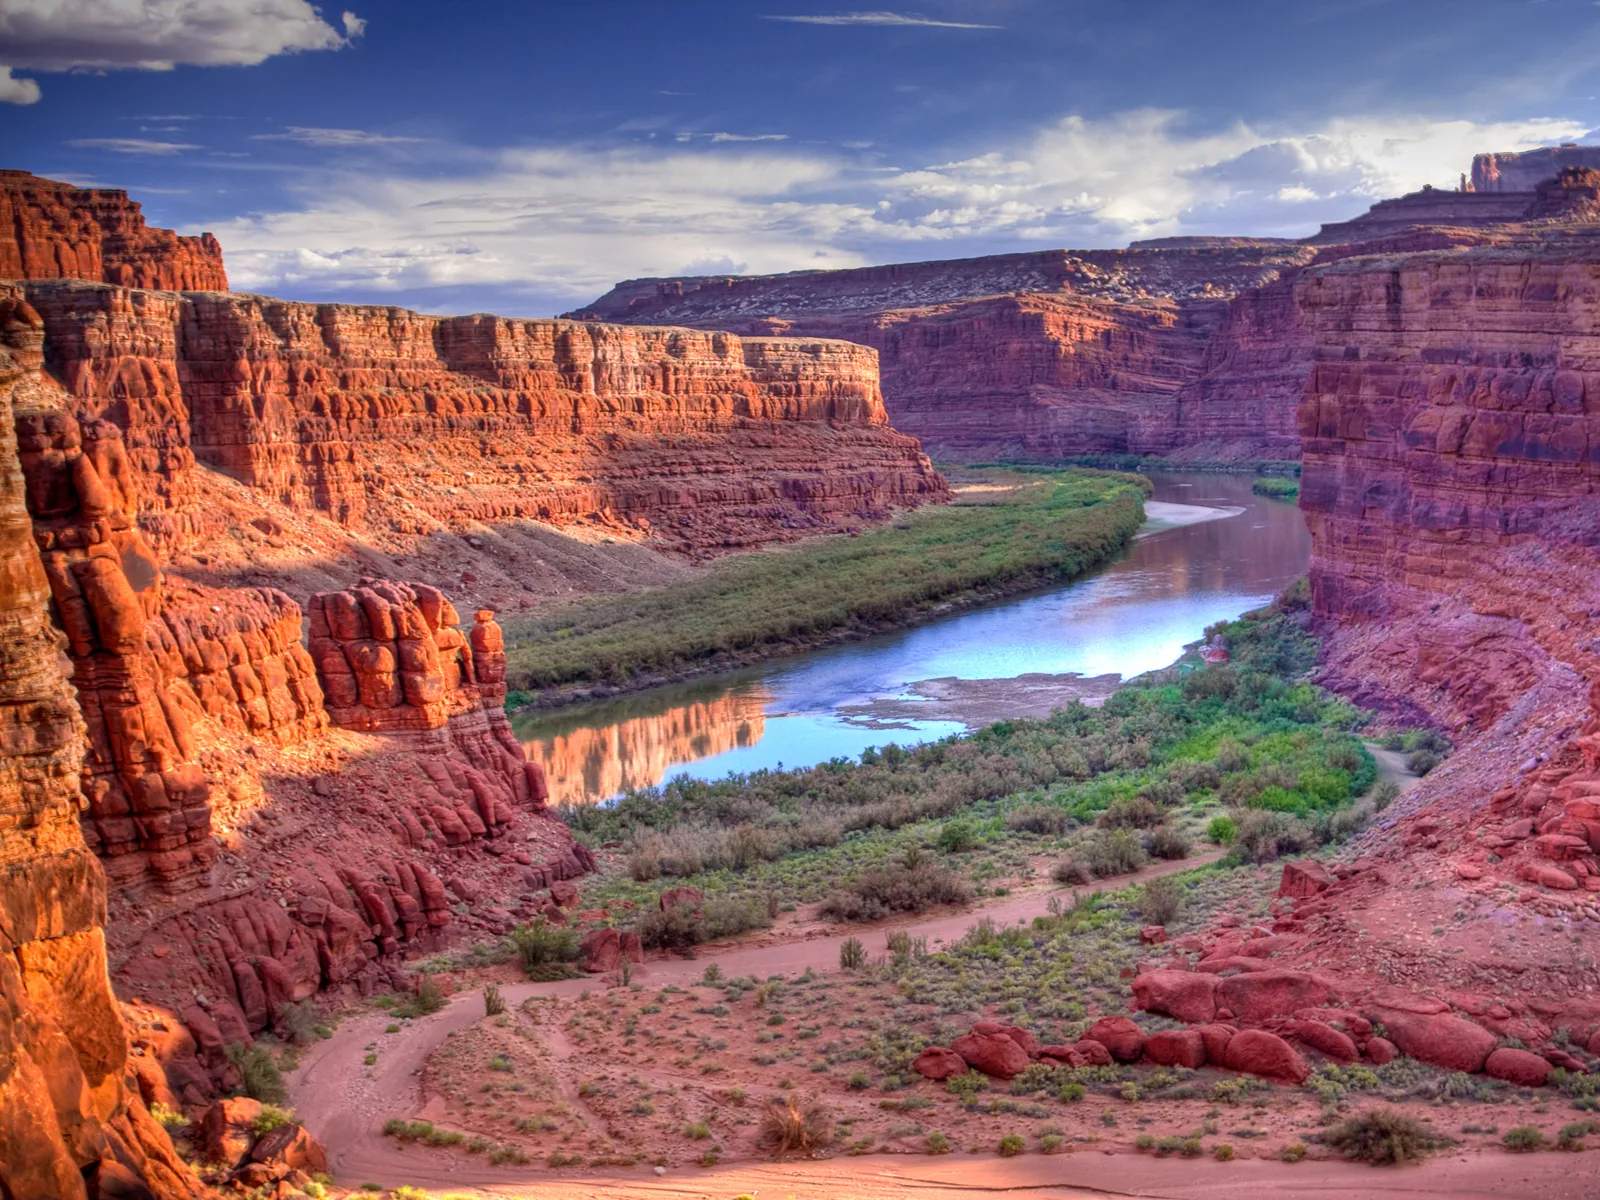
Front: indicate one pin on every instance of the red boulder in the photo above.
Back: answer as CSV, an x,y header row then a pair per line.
x,y
1189,996
1305,878
938,1063
292,1146
1521,1067
1094,1054
1120,1036
1216,1039
1381,1051
1325,1039
1439,1039
992,1053
1260,995
1257,1052
672,897
1176,1048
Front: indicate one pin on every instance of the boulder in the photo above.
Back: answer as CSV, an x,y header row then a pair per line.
x,y
1521,1067
1216,1039
1120,1036
1029,1043
1094,1054
1381,1051
226,1130
1068,1056
1153,935
1176,1048
294,1147
1257,1052
1189,996
992,1053
1325,1039
1261,995
564,894
938,1063
1305,878
607,949
1439,1039
674,896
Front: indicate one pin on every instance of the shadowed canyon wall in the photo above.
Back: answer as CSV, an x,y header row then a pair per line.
x,y
1452,434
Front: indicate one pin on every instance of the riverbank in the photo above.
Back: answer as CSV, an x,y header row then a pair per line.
x,y
1007,533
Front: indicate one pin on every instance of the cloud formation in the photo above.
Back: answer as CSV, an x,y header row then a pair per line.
x,y
17,91
552,228
156,35
315,136
132,146
882,18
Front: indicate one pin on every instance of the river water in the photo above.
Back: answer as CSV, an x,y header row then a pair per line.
x,y
1017,657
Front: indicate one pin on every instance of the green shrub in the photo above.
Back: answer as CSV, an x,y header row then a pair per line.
x,y
681,926
1070,872
428,998
1381,1136
298,1021
1050,1143
936,1143
1071,1093
493,1003
1523,1138
852,954
1012,1145
259,1076
1293,1152
1275,488
540,944
1160,901
1223,1152
1038,818
1222,831
1114,852
1131,812
1263,836
1571,1136
896,889
270,1117
1384,794
956,837
1420,762
1169,843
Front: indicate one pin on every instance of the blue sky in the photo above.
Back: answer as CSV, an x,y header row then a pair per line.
x,y
482,155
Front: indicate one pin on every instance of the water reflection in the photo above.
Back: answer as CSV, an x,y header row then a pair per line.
x,y
1134,616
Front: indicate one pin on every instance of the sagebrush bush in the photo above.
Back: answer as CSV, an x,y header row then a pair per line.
x,y
1384,794
541,944
1169,842
852,955
1114,852
1070,871
1381,1136
1038,818
428,998
1131,812
1420,762
896,889
1160,901
1222,831
790,1125
259,1076
1263,836
717,917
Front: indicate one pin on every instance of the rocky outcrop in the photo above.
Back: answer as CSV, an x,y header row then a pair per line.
x,y
70,1126
53,230
1450,473
404,425
1040,355
1525,170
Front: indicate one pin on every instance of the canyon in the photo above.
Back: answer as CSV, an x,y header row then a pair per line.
x,y
1190,349
253,754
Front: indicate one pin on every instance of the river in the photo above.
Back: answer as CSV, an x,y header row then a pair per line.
x,y
1017,657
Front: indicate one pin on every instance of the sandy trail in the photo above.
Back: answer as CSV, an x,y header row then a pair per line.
x,y
345,1104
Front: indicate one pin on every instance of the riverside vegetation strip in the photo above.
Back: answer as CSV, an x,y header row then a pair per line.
x,y
1247,754
1009,532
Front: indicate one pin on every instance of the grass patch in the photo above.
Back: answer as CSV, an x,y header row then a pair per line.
x,y
1275,488
1055,527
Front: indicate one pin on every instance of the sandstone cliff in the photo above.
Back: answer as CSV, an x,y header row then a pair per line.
x,y
1522,172
51,230
70,1124
1450,470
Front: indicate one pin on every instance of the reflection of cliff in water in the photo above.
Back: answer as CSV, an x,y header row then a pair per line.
x,y
589,762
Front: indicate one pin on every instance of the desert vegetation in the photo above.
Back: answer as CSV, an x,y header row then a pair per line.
x,y
1244,754
1035,529
1276,488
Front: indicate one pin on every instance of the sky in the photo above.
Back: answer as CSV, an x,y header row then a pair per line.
x,y
521,157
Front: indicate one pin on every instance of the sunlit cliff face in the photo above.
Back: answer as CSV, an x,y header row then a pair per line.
x,y
589,765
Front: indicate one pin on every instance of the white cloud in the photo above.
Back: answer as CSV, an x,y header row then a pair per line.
x,y
354,26
561,225
17,91
132,146
157,35
883,18
316,136
749,137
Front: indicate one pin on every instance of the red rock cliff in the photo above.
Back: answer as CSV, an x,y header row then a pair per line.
x,y
51,230
70,1124
403,424
1040,355
1452,434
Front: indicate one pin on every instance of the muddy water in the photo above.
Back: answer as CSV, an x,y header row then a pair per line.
x,y
1017,657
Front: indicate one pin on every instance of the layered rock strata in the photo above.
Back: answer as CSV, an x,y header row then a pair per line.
x,y
1450,472
1524,171
52,230
403,426
70,1125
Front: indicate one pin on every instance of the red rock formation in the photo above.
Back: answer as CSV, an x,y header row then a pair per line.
x,y
1450,475
406,425
69,1121
1040,355
56,231
1524,171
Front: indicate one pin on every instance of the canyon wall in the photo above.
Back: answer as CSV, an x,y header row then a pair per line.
x,y
71,1125
1522,172
1038,356
1452,456
403,426
51,230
